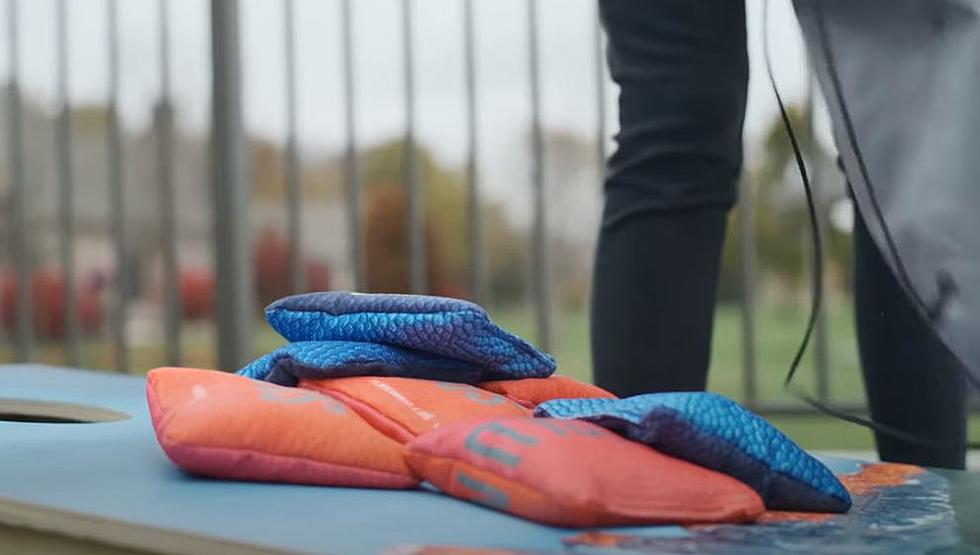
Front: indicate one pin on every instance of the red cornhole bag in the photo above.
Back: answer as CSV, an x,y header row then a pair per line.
x,y
404,408
531,392
569,473
229,426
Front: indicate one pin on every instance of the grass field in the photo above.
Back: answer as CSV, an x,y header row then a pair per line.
x,y
779,330
778,334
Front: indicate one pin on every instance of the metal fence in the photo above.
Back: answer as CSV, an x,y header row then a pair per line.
x,y
230,192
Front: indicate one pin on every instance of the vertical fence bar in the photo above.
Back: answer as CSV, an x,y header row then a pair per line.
x,y
165,187
474,221
293,213
821,340
600,95
66,195
230,190
351,173
415,204
24,334
117,199
539,248
747,267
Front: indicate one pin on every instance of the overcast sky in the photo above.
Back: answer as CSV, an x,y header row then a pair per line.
x,y
567,63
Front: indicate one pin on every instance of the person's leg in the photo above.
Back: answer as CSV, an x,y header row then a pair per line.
x,y
913,382
682,69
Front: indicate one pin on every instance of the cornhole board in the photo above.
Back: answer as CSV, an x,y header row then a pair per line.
x,y
107,488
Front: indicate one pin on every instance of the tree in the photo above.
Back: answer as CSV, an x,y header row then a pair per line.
x,y
781,215
444,213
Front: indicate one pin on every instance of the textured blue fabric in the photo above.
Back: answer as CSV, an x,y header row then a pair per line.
x,y
449,328
340,359
717,433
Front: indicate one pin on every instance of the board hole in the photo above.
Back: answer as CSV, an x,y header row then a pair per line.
x,y
54,412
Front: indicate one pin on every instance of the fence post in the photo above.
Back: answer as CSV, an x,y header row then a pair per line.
x,y
230,191
163,120
821,338
351,172
748,268
117,199
415,205
600,95
20,205
66,195
293,186
477,282
540,283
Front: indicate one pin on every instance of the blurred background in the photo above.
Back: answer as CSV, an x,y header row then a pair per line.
x,y
168,167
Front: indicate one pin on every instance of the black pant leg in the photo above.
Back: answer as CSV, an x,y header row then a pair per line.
x,y
682,69
913,382
653,301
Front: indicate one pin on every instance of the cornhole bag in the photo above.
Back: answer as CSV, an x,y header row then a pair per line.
x,y
448,327
570,473
531,392
338,359
227,426
403,408
717,433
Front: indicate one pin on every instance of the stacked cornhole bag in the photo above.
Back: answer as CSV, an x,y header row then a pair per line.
x,y
387,391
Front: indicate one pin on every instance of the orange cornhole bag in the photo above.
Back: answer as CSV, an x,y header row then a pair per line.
x,y
404,408
572,473
531,392
229,426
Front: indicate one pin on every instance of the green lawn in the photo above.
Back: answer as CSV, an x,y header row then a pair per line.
x,y
778,336
779,331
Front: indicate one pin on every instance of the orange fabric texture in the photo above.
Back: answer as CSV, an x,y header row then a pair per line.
x,y
531,392
228,426
572,473
404,408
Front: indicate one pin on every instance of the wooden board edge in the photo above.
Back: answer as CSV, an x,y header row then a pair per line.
x,y
116,533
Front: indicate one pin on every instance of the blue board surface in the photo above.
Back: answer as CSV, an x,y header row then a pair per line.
x,y
115,472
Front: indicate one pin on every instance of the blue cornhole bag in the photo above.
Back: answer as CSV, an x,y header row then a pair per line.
x,y
717,433
342,359
450,328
